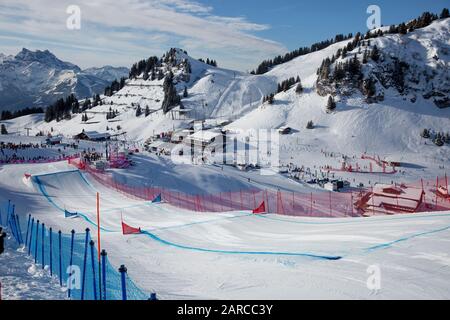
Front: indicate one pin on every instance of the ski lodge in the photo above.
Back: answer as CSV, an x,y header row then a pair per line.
x,y
284,130
204,138
54,140
92,136
163,147
179,136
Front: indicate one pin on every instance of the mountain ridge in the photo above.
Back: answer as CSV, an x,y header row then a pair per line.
x,y
209,92
38,78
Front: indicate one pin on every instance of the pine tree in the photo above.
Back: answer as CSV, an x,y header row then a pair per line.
x,y
375,54
76,107
344,52
445,14
402,29
331,104
3,129
138,111
447,138
160,75
324,70
369,88
438,140
147,111
310,125
299,88
425,134
185,93
171,98
365,57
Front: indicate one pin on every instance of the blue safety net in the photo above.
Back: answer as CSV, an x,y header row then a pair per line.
x,y
71,258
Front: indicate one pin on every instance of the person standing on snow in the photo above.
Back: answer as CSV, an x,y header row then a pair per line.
x,y
2,241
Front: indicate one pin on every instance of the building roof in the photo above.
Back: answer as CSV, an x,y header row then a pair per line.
x,y
181,133
94,135
156,144
205,135
181,110
57,138
284,129
168,146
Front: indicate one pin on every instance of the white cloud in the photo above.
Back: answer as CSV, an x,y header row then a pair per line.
x,y
136,27
239,23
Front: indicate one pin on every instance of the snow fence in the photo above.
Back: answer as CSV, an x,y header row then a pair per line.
x,y
72,258
314,204
40,161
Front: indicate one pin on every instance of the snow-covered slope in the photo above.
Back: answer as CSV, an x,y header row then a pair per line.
x,y
305,66
212,92
392,125
38,78
21,279
214,255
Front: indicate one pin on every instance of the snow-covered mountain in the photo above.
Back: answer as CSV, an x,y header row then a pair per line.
x,y
412,65
107,73
388,124
38,78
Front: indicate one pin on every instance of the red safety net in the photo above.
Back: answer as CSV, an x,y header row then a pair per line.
x,y
77,162
314,204
40,161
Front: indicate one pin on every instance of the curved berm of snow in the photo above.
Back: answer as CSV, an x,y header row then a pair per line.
x,y
239,252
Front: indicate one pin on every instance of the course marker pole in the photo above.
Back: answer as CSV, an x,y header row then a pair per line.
x,y
30,243
43,245
71,258
60,257
123,272
104,254
50,230
94,281
7,212
99,245
84,263
36,243
19,230
28,229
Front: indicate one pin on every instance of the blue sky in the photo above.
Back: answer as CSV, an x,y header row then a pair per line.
x,y
295,23
238,34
